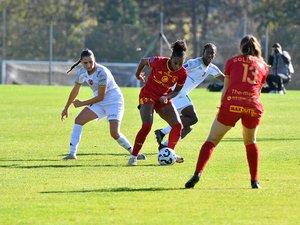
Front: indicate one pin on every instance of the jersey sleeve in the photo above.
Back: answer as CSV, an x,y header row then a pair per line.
x,y
182,77
102,79
215,71
191,64
266,73
227,68
154,61
79,77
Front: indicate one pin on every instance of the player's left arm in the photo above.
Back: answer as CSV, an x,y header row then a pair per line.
x,y
217,73
102,84
101,92
164,99
221,77
226,84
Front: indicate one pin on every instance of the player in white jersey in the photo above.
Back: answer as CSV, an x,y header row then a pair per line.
x,y
198,69
107,102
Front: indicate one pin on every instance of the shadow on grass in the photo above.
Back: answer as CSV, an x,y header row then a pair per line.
x,y
108,154
260,139
121,189
16,166
28,160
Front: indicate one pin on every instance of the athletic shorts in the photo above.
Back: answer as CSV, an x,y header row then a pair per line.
x,y
230,114
157,104
112,111
181,101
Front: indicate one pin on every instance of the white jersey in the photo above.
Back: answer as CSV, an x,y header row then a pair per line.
x,y
101,77
197,72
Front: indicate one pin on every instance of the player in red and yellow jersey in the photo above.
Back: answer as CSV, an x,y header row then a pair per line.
x,y
157,93
244,77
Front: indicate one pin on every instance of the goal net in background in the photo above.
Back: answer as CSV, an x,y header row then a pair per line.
x,y
54,73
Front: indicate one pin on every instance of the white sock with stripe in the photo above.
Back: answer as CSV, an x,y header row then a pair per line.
x,y
75,138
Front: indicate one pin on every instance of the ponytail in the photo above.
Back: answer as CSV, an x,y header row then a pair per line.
x,y
73,66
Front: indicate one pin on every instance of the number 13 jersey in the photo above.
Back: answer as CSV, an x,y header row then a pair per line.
x,y
246,74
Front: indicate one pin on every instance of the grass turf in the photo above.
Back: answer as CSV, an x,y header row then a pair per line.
x,y
37,187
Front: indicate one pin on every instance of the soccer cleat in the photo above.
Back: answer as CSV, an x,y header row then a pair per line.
x,y
272,92
69,156
161,146
281,92
141,156
255,184
179,159
191,182
132,161
159,136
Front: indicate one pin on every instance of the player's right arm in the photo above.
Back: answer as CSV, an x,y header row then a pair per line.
x,y
73,94
139,75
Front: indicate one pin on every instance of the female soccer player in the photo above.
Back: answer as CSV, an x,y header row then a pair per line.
x,y
198,70
157,94
245,75
107,101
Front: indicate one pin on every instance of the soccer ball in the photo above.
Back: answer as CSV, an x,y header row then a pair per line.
x,y
166,156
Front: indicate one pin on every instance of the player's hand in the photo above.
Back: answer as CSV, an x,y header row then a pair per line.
x,y
163,99
64,114
141,76
77,103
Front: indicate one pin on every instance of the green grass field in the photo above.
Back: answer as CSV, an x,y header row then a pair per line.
x,y
37,187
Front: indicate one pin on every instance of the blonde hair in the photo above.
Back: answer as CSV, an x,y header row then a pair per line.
x,y
250,46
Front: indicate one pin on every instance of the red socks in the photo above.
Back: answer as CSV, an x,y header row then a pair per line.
x,y
252,157
174,135
140,138
204,155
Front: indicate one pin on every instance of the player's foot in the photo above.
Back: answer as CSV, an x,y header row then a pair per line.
x,y
255,184
132,161
159,136
70,156
141,156
179,159
281,92
191,182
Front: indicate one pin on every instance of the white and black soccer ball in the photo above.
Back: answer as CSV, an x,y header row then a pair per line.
x,y
166,156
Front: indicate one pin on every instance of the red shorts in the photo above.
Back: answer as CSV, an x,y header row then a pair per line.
x,y
157,104
230,114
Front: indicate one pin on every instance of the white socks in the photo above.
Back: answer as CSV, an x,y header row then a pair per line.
x,y
75,138
123,141
166,130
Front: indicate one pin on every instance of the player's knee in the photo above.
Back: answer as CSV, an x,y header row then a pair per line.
x,y
79,120
177,126
249,141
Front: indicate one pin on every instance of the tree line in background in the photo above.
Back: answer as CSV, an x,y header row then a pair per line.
x,y
123,30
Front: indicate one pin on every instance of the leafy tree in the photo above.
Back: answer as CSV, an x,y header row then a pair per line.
x,y
28,26
282,20
120,32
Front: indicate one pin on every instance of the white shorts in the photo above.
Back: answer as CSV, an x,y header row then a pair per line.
x,y
112,111
181,101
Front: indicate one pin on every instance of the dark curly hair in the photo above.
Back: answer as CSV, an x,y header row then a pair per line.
x,y
179,48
